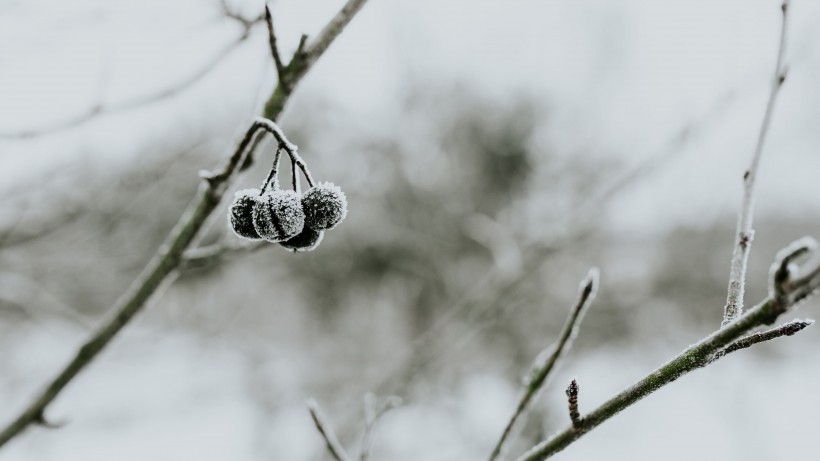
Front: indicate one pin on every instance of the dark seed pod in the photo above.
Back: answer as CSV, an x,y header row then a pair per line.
x,y
278,215
307,240
325,206
241,213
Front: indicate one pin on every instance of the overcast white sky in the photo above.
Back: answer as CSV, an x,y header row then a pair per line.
x,y
620,79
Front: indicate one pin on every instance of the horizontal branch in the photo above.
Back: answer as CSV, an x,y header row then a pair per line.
x,y
787,329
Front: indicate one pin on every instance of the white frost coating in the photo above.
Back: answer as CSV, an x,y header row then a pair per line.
x,y
795,250
325,206
278,215
276,132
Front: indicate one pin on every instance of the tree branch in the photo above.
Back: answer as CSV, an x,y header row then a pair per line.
x,y
745,233
306,56
100,109
548,359
787,329
333,445
164,265
274,48
703,353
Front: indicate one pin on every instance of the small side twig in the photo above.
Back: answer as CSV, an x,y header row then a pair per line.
x,y
745,233
572,401
320,420
548,359
787,329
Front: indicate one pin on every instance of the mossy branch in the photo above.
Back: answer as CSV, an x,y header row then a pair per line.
x,y
729,338
165,263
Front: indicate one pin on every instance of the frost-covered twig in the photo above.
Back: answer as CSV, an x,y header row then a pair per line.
x,y
547,360
333,445
745,234
101,109
165,263
572,403
696,356
787,329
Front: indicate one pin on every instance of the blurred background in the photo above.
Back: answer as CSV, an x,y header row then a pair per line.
x,y
491,152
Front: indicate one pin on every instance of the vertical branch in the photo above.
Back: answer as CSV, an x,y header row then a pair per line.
x,y
745,234
274,48
333,445
547,360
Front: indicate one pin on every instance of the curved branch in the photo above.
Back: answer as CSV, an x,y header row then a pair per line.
x,y
101,109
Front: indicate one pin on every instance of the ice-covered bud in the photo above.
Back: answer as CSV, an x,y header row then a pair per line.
x,y
241,213
278,215
325,206
307,240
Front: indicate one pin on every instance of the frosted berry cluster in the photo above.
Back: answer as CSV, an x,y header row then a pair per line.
x,y
295,221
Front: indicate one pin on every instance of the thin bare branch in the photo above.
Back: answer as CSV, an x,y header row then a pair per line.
x,y
787,329
745,234
320,420
162,267
548,359
307,55
101,109
274,48
699,355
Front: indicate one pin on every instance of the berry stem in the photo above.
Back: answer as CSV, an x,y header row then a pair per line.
x,y
274,172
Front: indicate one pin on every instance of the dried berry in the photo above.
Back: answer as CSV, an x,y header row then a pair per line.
x,y
325,206
278,215
307,240
241,214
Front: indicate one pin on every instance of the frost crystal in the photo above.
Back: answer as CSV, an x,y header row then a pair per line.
x,y
307,240
241,214
278,215
325,206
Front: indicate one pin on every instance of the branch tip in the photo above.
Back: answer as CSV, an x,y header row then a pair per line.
x,y
572,400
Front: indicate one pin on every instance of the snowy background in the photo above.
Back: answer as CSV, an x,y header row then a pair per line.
x,y
491,151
